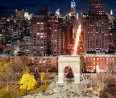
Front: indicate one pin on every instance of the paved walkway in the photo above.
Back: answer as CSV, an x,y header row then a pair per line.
x,y
68,90
59,96
63,91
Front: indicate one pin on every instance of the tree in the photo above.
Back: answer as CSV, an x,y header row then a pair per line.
x,y
6,71
5,67
80,89
70,74
103,79
27,82
20,65
53,69
111,68
44,78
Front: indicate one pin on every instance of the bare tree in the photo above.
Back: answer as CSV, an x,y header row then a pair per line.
x,y
111,68
103,79
20,65
80,89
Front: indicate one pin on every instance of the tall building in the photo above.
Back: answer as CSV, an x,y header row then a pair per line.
x,y
112,32
111,12
39,35
27,45
73,8
57,13
46,34
56,39
27,16
95,28
19,14
70,28
72,15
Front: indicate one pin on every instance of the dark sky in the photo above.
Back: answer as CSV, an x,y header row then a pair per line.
x,y
7,6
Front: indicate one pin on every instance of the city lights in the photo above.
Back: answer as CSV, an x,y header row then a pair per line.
x,y
65,49
77,40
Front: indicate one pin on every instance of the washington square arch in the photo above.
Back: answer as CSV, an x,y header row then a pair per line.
x,y
71,61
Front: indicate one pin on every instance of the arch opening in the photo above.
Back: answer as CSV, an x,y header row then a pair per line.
x,y
68,75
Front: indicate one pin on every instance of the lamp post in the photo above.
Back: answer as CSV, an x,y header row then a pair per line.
x,y
41,81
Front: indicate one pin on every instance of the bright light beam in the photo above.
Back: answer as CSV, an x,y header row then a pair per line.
x,y
77,40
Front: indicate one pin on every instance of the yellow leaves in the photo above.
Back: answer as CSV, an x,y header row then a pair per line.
x,y
53,75
27,82
3,60
5,66
44,78
26,70
86,74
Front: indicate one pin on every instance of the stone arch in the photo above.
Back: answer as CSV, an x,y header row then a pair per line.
x,y
74,62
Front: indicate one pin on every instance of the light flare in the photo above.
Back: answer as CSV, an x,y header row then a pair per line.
x,y
77,40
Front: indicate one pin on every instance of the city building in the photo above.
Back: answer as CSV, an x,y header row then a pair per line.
x,y
69,39
72,15
73,8
70,28
44,64
19,14
27,16
57,13
40,63
2,38
46,34
99,62
4,55
95,28
112,32
27,45
4,47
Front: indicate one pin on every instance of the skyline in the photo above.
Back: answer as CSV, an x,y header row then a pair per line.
x,y
7,8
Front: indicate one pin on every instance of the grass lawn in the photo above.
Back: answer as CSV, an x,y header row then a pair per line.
x,y
38,89
14,91
4,94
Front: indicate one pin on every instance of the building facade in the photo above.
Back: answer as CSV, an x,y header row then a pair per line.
x,y
40,63
46,34
73,8
112,32
27,45
99,62
95,28
19,14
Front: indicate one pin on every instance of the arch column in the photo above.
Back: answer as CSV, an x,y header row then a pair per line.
x,y
76,78
60,73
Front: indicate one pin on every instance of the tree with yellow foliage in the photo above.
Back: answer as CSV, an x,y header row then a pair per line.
x,y
6,71
5,67
27,82
44,78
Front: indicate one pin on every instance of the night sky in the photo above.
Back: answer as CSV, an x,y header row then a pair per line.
x,y
7,7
